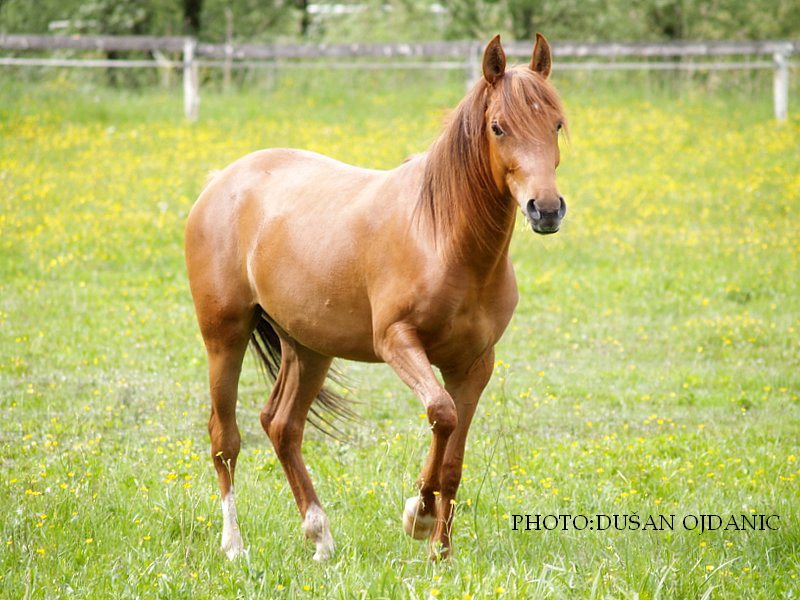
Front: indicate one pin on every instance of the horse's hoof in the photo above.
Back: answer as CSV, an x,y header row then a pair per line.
x,y
416,525
233,546
439,551
324,547
324,550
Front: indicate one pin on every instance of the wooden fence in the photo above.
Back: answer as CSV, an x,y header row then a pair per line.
x,y
693,56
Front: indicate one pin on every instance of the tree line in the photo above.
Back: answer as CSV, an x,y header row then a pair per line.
x,y
409,20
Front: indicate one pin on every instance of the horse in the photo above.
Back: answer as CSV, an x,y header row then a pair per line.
x,y
309,259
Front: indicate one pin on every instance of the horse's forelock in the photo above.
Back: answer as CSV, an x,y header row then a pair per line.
x,y
529,103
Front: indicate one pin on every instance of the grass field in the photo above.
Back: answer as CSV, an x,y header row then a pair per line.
x,y
652,368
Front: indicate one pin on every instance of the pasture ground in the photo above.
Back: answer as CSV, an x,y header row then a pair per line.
x,y
652,368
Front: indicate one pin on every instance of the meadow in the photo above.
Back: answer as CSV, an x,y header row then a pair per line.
x,y
652,367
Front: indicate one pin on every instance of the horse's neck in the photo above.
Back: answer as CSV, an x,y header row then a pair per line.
x,y
484,249
471,225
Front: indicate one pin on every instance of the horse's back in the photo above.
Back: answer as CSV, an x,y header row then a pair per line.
x,y
269,190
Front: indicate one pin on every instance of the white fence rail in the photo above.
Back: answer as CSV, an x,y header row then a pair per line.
x,y
691,56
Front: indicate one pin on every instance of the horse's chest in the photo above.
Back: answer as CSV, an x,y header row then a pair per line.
x,y
470,320
465,334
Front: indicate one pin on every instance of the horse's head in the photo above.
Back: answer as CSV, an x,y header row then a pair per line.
x,y
522,121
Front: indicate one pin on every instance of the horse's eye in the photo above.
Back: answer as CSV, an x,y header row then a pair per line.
x,y
559,126
497,130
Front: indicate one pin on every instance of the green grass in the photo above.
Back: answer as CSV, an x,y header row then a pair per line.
x,y
652,367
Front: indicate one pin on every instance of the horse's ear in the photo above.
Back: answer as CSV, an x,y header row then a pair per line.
x,y
541,61
494,60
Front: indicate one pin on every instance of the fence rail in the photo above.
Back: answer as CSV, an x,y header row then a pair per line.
x,y
431,55
145,43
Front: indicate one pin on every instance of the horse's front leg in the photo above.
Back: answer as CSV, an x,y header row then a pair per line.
x,y
466,387
401,348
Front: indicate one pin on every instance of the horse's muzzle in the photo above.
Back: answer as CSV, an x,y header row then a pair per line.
x,y
546,222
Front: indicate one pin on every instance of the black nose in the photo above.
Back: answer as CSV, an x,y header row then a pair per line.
x,y
546,221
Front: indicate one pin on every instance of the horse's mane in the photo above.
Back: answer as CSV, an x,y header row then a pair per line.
x,y
459,195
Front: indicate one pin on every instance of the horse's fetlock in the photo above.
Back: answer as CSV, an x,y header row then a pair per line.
x,y
315,522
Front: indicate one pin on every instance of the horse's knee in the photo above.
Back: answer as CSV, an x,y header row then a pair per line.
x,y
442,414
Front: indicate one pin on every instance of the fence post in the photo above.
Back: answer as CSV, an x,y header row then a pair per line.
x,y
226,67
780,86
191,81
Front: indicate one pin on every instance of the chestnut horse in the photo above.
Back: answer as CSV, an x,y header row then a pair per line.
x,y
312,259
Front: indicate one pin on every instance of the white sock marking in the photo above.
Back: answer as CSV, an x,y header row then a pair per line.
x,y
416,525
317,528
232,543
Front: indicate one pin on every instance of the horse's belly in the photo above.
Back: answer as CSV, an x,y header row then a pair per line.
x,y
316,297
332,330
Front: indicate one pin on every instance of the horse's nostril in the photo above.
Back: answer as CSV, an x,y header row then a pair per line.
x,y
533,212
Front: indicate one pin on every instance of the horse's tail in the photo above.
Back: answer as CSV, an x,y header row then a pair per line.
x,y
327,406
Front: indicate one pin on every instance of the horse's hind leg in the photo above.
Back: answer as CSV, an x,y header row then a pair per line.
x,y
226,343
299,380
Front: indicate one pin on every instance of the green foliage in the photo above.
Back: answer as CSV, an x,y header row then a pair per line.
x,y
112,17
253,20
651,367
410,20
604,20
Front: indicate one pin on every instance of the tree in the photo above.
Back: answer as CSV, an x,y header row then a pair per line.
x,y
191,16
